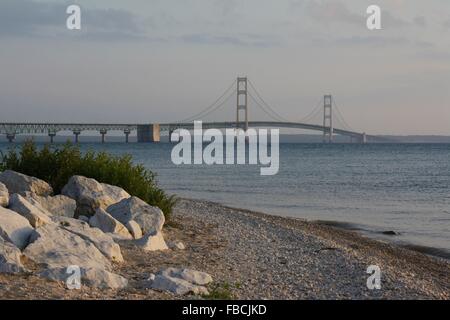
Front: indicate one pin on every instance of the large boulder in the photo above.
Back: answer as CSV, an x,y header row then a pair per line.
x,y
100,240
180,281
14,228
59,205
114,192
10,258
105,222
150,219
4,195
55,247
35,215
152,242
134,228
91,195
92,277
20,183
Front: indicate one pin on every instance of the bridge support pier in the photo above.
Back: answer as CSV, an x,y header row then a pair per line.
x,y
127,135
148,133
103,132
364,138
52,136
10,137
76,134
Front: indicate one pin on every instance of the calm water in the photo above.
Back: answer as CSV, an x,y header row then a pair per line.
x,y
374,188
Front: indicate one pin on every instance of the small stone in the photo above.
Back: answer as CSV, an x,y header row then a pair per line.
x,y
176,245
390,233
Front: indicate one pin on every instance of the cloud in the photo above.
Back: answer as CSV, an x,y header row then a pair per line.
x,y
372,41
42,19
248,40
391,21
420,21
446,24
332,12
25,17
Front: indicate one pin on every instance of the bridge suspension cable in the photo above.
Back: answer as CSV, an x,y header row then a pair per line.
x,y
340,117
314,112
273,117
276,114
215,105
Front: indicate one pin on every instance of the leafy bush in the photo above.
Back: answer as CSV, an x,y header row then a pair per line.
x,y
56,165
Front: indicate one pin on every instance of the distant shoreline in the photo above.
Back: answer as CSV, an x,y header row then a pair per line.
x,y
284,138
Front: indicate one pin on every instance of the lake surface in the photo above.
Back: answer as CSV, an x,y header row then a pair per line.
x,y
372,187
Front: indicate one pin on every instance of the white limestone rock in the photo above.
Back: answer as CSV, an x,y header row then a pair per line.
x,y
105,222
115,193
150,219
91,195
152,242
14,228
134,229
176,245
102,241
58,205
84,219
53,246
92,277
180,281
10,258
20,183
4,195
35,215
192,276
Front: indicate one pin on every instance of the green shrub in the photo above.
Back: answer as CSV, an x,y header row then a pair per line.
x,y
220,291
56,165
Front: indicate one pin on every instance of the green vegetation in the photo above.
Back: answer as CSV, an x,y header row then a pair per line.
x,y
221,291
57,164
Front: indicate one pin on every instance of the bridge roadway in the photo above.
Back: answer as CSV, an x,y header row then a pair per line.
x,y
151,132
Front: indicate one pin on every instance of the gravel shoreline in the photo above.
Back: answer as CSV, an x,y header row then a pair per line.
x,y
252,255
274,257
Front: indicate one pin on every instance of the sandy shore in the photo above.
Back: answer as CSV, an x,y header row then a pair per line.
x,y
257,256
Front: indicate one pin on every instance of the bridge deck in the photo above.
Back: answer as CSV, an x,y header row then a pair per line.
x,y
12,129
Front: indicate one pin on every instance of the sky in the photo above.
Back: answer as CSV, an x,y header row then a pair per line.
x,y
150,61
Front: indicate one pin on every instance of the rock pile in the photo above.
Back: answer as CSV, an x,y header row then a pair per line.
x,y
82,227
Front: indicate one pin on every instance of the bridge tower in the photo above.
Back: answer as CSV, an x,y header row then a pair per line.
x,y
242,102
328,119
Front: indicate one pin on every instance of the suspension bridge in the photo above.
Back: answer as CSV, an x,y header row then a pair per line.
x,y
331,121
